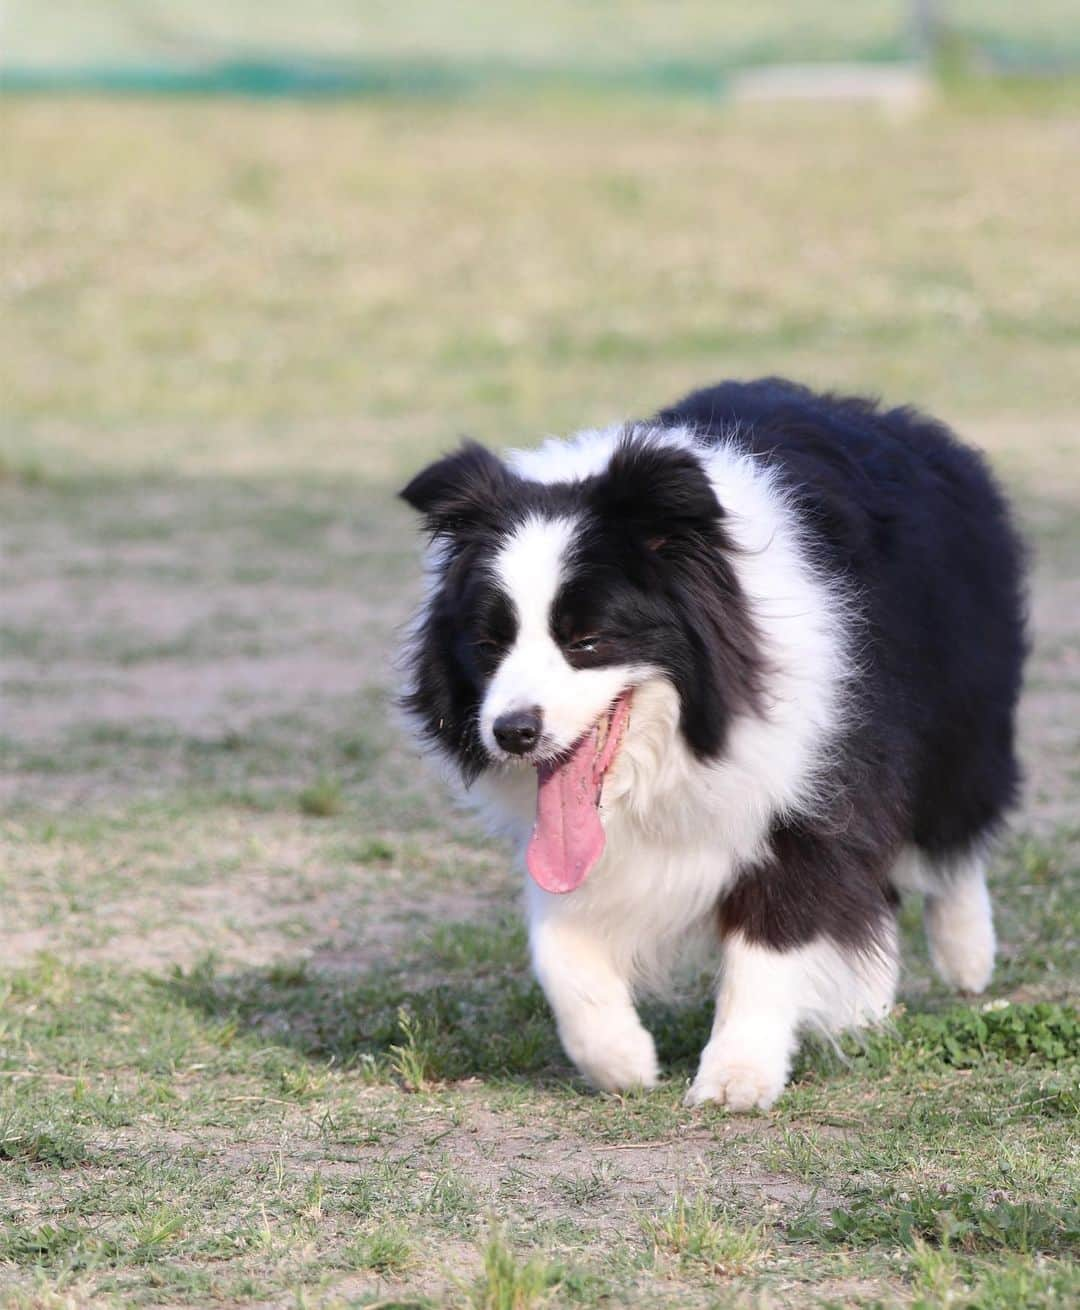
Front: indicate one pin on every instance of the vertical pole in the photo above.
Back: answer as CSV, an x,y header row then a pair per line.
x,y
926,22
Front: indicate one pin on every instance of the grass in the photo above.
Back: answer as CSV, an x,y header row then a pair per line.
x,y
904,265
267,1029
387,1250
700,1238
323,799
507,1283
460,34
962,1221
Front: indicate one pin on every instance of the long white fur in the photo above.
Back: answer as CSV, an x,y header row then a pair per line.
x,y
957,915
679,831
767,996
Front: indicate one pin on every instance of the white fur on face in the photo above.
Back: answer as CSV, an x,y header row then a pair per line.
x,y
771,763
679,829
530,567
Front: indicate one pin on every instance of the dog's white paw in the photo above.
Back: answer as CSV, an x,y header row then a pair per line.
x,y
615,1058
739,1083
960,933
968,966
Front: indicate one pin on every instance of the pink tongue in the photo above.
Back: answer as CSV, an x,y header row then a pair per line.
x,y
568,837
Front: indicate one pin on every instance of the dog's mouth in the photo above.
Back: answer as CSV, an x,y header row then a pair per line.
x,y
568,837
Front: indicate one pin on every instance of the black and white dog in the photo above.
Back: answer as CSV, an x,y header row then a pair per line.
x,y
733,676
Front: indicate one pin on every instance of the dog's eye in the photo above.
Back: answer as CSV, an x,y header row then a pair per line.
x,y
584,645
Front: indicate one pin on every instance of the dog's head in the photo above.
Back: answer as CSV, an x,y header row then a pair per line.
x,y
552,601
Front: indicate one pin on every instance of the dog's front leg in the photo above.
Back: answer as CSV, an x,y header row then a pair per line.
x,y
766,995
594,1010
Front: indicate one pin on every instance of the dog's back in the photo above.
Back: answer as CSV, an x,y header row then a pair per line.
x,y
743,671
914,520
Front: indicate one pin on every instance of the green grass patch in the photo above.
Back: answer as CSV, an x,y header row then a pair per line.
x,y
963,1037
387,1250
54,1145
699,1235
508,1282
965,1220
322,799
455,1029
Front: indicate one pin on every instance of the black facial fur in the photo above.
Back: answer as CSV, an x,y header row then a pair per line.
x,y
462,495
651,580
450,664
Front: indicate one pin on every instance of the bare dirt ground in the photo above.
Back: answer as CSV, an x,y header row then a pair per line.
x,y
181,711
155,650
267,1031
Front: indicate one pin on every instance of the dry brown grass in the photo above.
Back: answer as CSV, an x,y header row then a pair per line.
x,y
340,288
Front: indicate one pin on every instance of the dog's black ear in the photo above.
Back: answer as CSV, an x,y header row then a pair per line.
x,y
461,491
656,493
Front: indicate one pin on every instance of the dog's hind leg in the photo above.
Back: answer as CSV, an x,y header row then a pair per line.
x,y
959,924
957,915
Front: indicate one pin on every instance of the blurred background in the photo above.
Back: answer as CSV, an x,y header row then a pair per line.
x,y
260,260
436,46
263,259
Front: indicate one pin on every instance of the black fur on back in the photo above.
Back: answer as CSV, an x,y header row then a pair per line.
x,y
914,523
652,570
891,504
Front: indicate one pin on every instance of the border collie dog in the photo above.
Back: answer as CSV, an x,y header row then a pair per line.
x,y
732,678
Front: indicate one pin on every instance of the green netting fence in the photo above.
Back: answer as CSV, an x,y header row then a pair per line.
x,y
442,47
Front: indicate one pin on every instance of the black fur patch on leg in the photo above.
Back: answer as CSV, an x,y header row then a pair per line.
x,y
812,884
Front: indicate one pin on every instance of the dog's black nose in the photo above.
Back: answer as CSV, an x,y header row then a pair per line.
x,y
519,731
